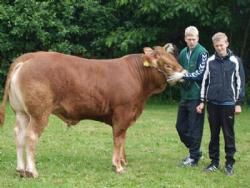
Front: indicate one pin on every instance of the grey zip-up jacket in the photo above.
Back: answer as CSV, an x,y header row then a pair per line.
x,y
224,80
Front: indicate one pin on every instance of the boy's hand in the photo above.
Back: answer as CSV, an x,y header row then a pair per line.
x,y
237,109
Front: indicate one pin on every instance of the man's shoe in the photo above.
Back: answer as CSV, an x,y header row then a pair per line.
x,y
190,162
211,168
229,170
186,158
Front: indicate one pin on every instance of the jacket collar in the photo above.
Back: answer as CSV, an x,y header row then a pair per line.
x,y
229,54
197,46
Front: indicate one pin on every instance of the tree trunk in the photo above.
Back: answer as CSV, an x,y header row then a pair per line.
x,y
246,34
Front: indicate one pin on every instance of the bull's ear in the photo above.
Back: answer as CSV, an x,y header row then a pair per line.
x,y
151,60
171,48
148,51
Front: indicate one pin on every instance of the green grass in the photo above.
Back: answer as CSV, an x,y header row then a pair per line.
x,y
81,156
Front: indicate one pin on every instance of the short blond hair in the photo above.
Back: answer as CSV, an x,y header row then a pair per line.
x,y
191,30
219,36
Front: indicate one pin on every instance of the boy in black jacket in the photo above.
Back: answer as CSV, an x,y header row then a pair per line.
x,y
223,90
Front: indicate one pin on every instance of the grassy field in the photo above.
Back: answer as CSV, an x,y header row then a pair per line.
x,y
81,156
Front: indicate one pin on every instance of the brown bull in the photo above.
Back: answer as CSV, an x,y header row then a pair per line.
x,y
113,91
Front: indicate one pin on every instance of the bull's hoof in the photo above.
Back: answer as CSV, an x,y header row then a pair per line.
x,y
124,162
120,170
31,174
21,173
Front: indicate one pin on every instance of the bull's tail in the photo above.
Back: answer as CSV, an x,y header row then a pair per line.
x,y
5,98
6,94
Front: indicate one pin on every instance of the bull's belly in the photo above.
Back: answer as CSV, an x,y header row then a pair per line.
x,y
76,117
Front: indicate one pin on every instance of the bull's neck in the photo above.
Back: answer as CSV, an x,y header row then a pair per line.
x,y
154,81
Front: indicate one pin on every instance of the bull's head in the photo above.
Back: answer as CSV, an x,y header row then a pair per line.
x,y
162,58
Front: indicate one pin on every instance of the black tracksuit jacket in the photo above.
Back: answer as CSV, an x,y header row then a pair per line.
x,y
224,80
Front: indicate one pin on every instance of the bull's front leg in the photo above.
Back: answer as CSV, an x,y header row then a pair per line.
x,y
119,151
122,152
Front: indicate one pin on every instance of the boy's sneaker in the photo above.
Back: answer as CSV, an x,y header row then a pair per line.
x,y
189,162
229,170
211,168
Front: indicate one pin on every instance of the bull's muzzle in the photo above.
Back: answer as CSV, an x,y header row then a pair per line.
x,y
176,77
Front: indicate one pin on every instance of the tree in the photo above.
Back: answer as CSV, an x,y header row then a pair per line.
x,y
107,29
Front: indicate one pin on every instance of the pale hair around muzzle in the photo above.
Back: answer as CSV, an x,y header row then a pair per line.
x,y
176,77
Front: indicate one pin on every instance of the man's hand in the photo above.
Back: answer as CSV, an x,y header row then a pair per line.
x,y
199,108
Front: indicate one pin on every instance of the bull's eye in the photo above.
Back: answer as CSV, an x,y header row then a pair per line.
x,y
167,66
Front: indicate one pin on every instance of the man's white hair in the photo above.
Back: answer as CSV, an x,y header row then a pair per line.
x,y
191,30
219,36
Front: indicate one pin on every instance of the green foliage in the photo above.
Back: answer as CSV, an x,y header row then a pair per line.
x,y
107,29
247,97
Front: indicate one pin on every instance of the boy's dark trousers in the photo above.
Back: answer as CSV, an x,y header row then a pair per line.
x,y
221,116
189,126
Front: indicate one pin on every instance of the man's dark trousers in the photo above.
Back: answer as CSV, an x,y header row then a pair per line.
x,y
190,127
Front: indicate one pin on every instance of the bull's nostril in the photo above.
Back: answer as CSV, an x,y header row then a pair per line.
x,y
179,69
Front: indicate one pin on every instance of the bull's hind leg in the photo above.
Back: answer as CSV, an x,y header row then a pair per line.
x,y
34,131
22,121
